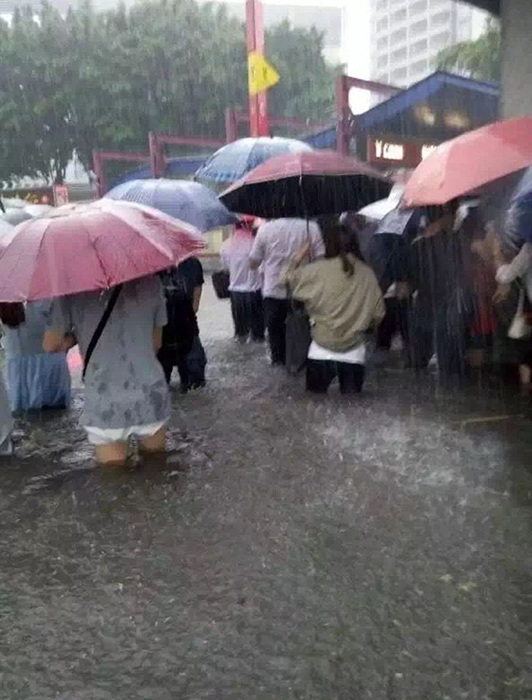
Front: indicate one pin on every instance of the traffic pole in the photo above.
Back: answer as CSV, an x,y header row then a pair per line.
x,y
258,104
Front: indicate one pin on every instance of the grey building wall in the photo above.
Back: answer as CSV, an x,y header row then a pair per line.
x,y
516,57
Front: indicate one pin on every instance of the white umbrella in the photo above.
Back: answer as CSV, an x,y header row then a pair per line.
x,y
378,210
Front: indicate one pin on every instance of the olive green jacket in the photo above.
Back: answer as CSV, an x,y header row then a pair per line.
x,y
341,308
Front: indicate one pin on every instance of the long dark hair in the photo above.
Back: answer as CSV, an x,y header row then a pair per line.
x,y
340,242
12,314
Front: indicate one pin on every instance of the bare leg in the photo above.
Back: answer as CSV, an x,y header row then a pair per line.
x,y
113,455
155,443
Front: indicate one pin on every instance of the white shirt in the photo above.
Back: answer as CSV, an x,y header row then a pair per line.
x,y
276,243
234,254
521,266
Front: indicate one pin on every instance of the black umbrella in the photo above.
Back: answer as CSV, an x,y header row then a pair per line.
x,y
307,185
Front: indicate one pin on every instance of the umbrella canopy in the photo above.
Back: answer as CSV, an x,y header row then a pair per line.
x,y
80,248
399,221
232,162
15,216
5,228
518,222
188,201
14,203
378,210
468,162
36,210
307,185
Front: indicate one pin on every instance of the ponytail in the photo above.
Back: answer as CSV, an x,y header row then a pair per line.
x,y
347,265
12,314
339,243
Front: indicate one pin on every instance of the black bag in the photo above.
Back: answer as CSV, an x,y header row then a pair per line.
x,y
298,339
220,282
101,327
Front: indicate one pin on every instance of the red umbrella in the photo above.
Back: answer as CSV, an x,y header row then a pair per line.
x,y
466,163
306,184
79,248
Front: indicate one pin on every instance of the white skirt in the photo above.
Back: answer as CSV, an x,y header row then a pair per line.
x,y
356,356
108,436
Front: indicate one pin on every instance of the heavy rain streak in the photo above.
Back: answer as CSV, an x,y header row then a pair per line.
x,y
265,350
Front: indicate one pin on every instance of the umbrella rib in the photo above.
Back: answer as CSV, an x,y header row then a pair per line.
x,y
41,244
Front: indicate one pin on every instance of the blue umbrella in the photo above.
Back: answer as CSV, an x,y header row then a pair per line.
x,y
518,224
187,201
232,162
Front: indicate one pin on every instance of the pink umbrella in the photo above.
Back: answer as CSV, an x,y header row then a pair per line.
x,y
464,164
79,248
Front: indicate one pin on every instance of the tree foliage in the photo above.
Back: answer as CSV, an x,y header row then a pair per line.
x,y
479,59
105,79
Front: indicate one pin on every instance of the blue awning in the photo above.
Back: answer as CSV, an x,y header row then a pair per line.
x,y
428,108
178,167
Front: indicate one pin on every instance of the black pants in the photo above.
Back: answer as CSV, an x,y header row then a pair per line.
x,y
320,374
190,365
441,332
248,314
276,311
395,321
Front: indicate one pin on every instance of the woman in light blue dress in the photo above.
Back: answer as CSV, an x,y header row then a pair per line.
x,y
35,379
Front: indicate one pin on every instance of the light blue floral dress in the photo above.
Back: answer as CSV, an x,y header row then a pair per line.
x,y
35,379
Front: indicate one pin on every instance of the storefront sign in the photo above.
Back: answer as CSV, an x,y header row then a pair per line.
x,y
382,151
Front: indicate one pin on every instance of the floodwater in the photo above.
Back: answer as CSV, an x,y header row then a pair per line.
x,y
287,547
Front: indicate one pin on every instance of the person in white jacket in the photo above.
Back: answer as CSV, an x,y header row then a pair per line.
x,y
245,283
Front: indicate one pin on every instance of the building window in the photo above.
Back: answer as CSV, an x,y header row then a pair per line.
x,y
440,41
382,44
418,7
399,16
398,76
382,5
382,61
419,28
382,24
398,37
419,68
440,19
399,56
419,47
383,78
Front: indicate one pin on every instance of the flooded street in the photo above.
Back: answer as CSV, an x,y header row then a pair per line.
x,y
286,548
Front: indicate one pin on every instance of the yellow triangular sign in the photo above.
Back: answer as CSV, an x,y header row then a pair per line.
x,y
262,75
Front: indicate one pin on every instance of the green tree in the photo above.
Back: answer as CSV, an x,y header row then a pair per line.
x,y
479,59
35,133
105,79
306,88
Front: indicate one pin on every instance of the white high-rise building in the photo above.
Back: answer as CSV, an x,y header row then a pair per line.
x,y
407,36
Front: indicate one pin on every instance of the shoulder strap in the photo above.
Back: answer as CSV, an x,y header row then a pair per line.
x,y
100,327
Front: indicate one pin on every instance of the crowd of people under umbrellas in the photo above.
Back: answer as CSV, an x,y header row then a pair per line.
x,y
318,285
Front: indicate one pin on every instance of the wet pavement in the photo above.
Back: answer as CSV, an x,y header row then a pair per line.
x,y
286,548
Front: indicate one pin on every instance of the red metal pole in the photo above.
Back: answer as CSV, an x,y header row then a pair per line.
x,y
231,125
258,104
343,136
98,167
154,153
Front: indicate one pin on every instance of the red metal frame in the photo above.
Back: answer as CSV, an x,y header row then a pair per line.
x,y
344,127
99,158
158,141
235,117
257,118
